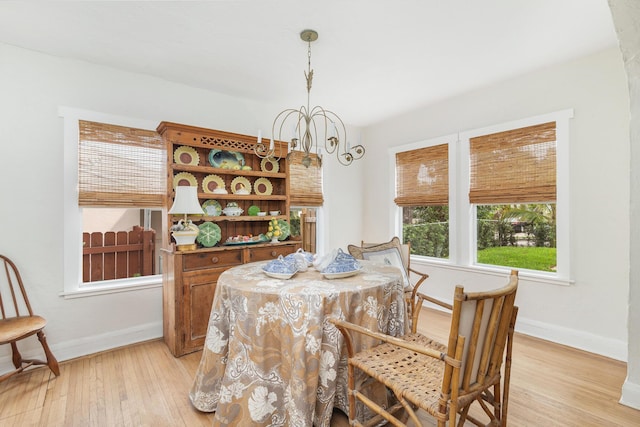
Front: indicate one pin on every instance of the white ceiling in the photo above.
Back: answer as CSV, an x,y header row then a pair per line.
x,y
373,59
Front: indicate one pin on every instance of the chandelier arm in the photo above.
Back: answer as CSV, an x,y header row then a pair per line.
x,y
305,128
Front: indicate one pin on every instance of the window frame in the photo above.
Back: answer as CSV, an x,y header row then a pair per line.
x,y
462,214
72,212
396,217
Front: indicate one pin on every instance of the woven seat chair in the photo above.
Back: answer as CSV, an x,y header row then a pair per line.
x,y
18,322
441,380
394,252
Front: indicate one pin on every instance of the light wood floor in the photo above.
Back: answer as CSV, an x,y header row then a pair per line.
x,y
144,385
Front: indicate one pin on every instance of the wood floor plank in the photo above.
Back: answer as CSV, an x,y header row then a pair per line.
x,y
144,385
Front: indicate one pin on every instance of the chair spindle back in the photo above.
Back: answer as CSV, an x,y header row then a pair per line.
x,y
480,326
13,297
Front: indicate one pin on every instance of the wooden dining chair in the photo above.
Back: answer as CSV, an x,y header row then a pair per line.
x,y
441,380
17,321
398,254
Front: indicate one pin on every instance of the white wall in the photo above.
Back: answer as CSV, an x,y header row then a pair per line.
x,y
33,87
592,313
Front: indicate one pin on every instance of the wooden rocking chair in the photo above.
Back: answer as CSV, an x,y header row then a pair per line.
x,y
443,381
17,321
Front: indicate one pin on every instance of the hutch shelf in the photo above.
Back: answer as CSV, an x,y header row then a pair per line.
x,y
211,159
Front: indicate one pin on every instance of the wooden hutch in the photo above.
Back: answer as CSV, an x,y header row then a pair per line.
x,y
190,276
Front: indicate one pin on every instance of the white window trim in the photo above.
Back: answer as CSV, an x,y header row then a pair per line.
x,y
72,222
462,223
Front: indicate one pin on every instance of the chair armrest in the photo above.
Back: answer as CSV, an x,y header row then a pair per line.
x,y
423,277
417,298
433,300
346,328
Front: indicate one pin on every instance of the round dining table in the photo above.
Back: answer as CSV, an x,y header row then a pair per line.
x,y
272,358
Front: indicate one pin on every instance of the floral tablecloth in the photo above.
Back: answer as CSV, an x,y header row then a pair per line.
x,y
272,358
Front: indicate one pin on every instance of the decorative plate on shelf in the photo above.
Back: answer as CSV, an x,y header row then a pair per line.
x,y
211,183
240,185
212,208
226,159
284,229
269,165
185,155
184,178
253,210
209,234
263,187
245,240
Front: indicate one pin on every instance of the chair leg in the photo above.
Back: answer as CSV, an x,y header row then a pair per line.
x,y
16,357
51,360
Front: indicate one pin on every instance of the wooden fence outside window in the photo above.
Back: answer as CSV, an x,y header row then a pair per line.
x,y
118,254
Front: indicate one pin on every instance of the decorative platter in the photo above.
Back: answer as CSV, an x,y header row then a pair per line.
x,y
209,234
226,159
240,240
281,276
239,184
211,183
340,275
185,155
262,187
212,208
284,229
184,178
269,165
253,210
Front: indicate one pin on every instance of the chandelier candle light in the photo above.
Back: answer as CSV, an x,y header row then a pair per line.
x,y
304,125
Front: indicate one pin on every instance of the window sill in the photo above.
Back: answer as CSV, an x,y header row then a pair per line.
x,y
528,275
113,287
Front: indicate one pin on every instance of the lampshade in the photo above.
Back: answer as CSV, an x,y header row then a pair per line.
x,y
186,201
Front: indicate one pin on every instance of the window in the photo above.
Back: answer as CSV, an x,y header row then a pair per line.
x,y
306,182
508,192
422,191
304,227
513,188
114,188
118,167
120,243
306,200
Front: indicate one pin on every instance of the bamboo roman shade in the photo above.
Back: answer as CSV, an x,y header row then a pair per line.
x,y
305,183
120,166
515,166
422,176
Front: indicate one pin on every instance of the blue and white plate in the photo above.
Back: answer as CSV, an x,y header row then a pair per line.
x,y
340,275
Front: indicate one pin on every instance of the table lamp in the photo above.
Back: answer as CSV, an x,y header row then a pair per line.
x,y
185,203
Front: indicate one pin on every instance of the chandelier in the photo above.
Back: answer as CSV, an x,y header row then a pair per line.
x,y
303,125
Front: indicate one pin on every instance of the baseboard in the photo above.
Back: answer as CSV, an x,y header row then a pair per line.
x,y
89,345
614,349
630,394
